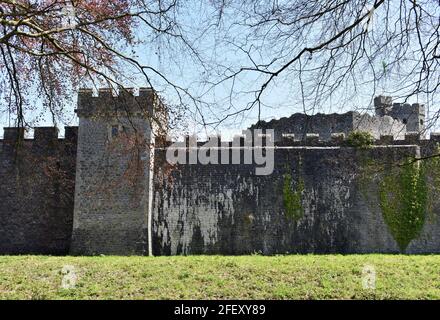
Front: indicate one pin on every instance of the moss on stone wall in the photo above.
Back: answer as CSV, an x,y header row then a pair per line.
x,y
407,193
403,195
292,198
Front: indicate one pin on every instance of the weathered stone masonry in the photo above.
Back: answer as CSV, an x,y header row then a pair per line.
x,y
36,191
227,209
111,198
390,119
196,209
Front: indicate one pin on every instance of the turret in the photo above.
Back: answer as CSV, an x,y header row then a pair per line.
x,y
112,198
412,115
383,105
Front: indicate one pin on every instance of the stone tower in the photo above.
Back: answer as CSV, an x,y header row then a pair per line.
x,y
112,211
413,116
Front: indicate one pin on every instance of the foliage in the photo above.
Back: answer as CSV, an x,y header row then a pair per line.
x,y
234,51
50,48
407,193
335,52
403,196
221,277
360,139
292,198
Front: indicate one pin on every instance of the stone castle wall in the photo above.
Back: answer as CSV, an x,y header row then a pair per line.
x,y
36,191
227,209
111,197
95,191
326,124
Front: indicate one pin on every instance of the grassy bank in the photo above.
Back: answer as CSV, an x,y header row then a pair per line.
x,y
217,277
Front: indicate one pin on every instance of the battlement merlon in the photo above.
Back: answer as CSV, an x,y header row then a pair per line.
x,y
107,104
13,134
45,134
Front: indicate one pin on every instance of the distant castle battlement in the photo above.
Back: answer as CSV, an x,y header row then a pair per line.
x,y
389,119
411,115
96,191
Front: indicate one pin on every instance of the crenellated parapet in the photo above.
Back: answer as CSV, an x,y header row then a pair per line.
x,y
108,102
42,135
338,139
390,118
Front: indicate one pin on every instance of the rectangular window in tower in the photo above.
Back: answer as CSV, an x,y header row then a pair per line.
x,y
115,131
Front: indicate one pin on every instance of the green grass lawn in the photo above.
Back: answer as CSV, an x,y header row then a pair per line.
x,y
218,277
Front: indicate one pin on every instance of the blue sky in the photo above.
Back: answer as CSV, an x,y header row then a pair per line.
x,y
282,98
